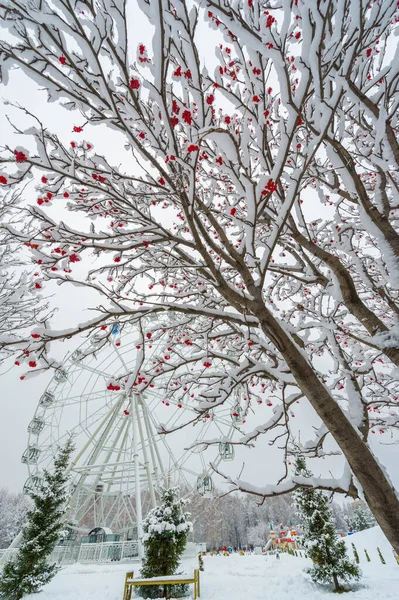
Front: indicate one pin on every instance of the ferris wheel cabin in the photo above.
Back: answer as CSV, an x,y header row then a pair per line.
x,y
30,455
37,425
32,484
60,376
205,486
226,451
47,399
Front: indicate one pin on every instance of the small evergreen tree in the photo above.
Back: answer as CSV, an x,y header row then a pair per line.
x,y
29,571
381,557
200,562
328,553
166,528
355,553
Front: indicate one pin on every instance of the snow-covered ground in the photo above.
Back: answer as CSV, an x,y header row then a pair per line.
x,y
370,540
237,577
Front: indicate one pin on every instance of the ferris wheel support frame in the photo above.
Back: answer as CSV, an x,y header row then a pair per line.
x,y
145,455
154,450
18,538
138,435
139,511
96,451
126,453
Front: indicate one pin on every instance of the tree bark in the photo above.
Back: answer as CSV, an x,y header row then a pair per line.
x,y
378,490
348,290
337,587
380,221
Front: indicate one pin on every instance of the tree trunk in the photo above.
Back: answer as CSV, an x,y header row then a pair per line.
x,y
337,587
378,490
348,290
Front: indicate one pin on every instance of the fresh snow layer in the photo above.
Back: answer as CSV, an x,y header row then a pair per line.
x,y
237,577
370,540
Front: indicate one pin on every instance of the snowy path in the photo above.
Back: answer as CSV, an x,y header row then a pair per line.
x,y
226,578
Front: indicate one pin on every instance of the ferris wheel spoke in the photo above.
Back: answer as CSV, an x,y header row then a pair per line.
x,y
203,463
188,471
83,397
121,448
120,458
120,357
219,428
156,459
162,439
101,373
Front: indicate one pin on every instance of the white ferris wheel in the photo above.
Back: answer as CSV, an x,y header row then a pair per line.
x,y
120,458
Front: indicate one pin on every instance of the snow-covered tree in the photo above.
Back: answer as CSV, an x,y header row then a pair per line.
x,y
339,516
29,570
359,517
327,551
13,509
231,520
248,197
21,303
258,534
165,528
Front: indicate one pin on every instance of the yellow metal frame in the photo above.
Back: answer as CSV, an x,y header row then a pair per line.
x,y
130,583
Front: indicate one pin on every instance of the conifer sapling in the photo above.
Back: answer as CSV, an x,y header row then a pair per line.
x,y
30,570
355,553
200,562
328,553
166,528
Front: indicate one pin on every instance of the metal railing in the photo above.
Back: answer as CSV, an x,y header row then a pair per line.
x,y
104,552
108,552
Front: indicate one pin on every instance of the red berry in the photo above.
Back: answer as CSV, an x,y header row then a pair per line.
x,y
134,84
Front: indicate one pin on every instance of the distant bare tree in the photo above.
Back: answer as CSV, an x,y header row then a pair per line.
x,y
13,509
